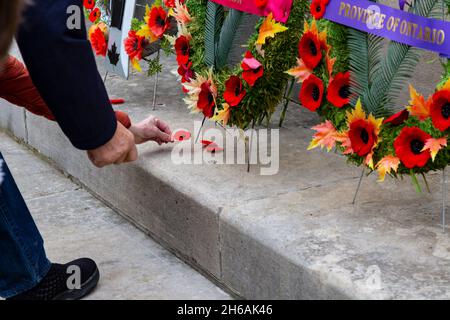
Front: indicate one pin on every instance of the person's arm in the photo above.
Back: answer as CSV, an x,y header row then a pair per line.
x,y
63,68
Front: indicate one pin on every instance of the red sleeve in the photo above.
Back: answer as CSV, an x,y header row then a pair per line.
x,y
17,87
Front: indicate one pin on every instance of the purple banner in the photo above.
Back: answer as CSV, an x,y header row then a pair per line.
x,y
394,24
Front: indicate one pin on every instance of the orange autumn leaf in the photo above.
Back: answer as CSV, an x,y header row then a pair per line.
x,y
300,72
387,165
418,106
326,136
269,28
434,146
330,65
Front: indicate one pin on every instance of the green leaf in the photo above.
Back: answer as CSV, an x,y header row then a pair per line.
x,y
227,35
213,26
396,68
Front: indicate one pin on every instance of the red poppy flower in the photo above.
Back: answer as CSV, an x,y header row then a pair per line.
x,y
181,135
261,3
409,145
89,4
169,3
206,100
309,49
311,94
134,45
362,136
318,8
234,91
440,110
158,22
95,15
117,101
398,118
186,72
182,49
253,69
339,90
211,146
98,41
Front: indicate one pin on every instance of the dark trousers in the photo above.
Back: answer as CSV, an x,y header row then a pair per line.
x,y
23,262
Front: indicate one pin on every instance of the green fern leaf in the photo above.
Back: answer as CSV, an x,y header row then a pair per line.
x,y
227,35
213,25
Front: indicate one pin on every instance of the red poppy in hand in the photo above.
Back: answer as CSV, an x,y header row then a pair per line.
x,y
339,90
409,147
234,91
311,94
440,110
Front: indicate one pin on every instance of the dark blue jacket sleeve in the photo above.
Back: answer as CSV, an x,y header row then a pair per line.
x,y
63,68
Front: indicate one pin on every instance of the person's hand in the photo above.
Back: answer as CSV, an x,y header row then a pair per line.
x,y
120,149
151,129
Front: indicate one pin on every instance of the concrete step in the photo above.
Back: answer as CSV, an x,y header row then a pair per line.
x,y
76,224
294,235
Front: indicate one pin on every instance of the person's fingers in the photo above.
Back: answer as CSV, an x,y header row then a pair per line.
x,y
164,137
163,126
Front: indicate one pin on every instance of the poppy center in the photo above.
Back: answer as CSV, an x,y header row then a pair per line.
x,y
364,135
417,146
446,111
256,70
160,21
313,48
318,8
185,50
315,93
210,98
237,91
344,92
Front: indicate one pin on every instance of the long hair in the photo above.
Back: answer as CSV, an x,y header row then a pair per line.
x,y
9,18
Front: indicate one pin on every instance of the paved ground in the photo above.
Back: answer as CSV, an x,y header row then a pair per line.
x,y
76,224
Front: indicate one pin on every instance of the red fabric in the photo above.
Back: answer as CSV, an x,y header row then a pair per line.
x,y
17,88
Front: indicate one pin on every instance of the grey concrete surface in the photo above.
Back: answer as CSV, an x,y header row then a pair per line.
x,y
294,235
75,224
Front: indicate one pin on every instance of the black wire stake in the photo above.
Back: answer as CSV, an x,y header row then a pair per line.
x,y
286,104
104,79
359,186
200,131
155,87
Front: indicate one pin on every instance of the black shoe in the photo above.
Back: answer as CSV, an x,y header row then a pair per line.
x,y
60,282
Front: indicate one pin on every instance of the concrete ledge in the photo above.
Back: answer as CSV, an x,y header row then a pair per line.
x,y
294,235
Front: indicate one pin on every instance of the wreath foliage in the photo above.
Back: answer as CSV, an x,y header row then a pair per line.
x,y
358,102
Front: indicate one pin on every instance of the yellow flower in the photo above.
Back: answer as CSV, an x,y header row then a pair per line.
x,y
145,28
387,165
223,116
